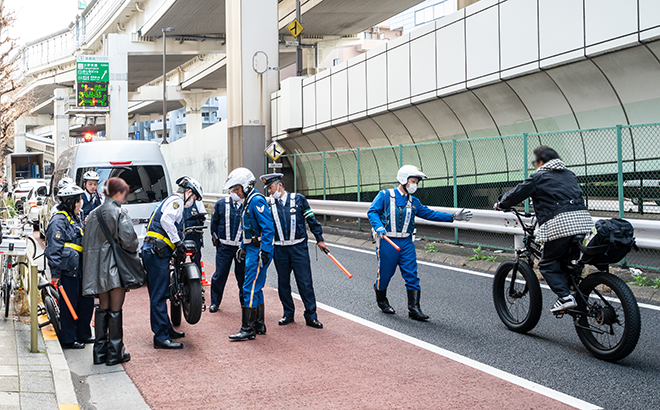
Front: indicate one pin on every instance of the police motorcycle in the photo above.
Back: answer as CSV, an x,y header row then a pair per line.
x,y
186,292
606,319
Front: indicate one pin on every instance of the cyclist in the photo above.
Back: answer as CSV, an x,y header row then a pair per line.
x,y
64,250
164,236
91,198
561,214
393,213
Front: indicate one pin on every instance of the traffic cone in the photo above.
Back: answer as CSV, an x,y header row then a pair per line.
x,y
204,281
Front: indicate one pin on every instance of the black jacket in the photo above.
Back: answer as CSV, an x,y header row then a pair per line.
x,y
553,192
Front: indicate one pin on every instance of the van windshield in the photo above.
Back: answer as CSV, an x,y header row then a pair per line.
x,y
147,183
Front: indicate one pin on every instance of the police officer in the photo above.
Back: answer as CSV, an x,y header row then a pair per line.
x,y
60,184
64,252
163,238
91,198
256,250
290,211
392,213
226,233
195,216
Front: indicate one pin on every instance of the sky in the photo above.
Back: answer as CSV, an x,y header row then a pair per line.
x,y
39,18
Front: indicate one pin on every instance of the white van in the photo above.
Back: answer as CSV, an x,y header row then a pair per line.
x,y
139,163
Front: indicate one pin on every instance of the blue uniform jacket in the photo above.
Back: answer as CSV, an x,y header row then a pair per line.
x,y
379,212
89,205
258,221
64,251
219,222
302,212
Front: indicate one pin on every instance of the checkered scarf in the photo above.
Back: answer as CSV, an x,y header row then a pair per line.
x,y
553,165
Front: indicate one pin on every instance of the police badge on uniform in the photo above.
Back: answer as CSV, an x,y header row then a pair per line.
x,y
58,235
261,208
175,205
293,210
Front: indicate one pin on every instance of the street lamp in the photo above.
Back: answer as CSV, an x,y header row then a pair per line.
x,y
165,30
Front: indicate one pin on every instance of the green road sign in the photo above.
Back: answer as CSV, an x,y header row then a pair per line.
x,y
92,69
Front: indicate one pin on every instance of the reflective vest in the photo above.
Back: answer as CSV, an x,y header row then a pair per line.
x,y
75,242
289,208
231,236
155,229
89,205
403,223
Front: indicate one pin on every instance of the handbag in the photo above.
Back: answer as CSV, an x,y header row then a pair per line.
x,y
129,266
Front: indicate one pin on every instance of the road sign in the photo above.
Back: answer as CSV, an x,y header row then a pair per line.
x,y
275,165
275,151
93,69
295,28
291,43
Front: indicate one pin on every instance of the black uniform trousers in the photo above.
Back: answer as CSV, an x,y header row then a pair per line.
x,y
296,258
224,256
75,330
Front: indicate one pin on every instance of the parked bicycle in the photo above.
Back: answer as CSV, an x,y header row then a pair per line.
x,y
607,318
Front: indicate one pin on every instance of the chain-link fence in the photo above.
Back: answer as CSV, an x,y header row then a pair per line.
x,y
618,169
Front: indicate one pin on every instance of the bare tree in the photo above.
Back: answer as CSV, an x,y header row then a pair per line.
x,y
12,106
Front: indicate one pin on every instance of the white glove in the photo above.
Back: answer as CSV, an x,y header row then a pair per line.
x,y
462,215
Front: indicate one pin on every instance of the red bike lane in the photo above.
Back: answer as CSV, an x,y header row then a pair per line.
x,y
344,365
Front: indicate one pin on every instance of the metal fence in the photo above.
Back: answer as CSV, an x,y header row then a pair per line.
x,y
617,167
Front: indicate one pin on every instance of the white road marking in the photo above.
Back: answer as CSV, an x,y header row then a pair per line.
x,y
508,377
476,273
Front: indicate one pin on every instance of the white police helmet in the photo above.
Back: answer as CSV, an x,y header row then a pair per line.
x,y
69,191
243,177
64,182
192,184
91,176
409,171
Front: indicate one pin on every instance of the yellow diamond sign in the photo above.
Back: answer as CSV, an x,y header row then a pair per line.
x,y
275,151
295,28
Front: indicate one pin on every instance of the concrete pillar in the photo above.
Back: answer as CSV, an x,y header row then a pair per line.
x,y
19,135
61,121
194,103
252,42
116,122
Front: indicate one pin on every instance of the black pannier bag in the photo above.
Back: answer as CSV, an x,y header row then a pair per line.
x,y
612,240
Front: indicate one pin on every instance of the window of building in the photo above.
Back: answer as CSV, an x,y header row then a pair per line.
x,y
335,62
368,35
419,17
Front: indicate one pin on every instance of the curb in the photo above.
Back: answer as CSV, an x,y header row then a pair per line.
x,y
641,293
64,391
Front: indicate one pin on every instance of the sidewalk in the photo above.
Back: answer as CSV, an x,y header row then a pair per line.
x,y
38,381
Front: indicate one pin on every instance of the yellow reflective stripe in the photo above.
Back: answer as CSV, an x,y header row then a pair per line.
x,y
162,238
71,221
73,246
254,283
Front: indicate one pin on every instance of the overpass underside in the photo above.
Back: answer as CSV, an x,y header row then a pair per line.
x,y
450,81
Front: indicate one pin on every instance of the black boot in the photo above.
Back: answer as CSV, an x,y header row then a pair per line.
x,y
116,353
247,329
383,303
259,324
101,333
414,311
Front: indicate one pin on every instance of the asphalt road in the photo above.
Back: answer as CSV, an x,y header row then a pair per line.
x,y
463,320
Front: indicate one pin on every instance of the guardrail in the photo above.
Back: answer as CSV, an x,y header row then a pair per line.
x,y
647,233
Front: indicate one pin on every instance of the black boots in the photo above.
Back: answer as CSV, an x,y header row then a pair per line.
x,y
101,333
383,303
247,331
116,353
414,311
259,324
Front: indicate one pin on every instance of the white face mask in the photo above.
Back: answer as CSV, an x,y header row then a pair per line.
x,y
411,188
234,197
277,195
190,202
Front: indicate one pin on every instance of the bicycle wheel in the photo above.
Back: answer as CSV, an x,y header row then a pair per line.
x,y
53,314
518,306
175,307
32,247
611,326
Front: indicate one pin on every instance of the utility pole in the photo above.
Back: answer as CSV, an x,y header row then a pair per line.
x,y
299,65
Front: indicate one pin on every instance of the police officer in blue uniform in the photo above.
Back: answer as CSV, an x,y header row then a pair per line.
x,y
163,238
195,216
64,253
226,233
91,198
256,250
392,213
290,211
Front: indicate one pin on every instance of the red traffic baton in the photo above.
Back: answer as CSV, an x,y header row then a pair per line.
x,y
391,243
68,303
327,252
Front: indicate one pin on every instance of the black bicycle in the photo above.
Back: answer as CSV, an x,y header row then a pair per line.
x,y
607,318
186,292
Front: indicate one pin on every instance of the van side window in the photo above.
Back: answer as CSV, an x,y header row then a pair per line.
x,y
147,183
